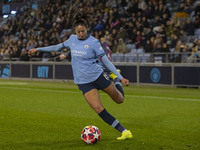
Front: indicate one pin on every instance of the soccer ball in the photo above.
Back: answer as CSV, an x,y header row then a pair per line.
x,y
90,134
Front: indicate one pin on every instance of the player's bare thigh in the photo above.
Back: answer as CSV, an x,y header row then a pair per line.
x,y
93,99
113,92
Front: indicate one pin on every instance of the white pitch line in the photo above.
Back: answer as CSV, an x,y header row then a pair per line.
x,y
168,98
136,96
13,83
39,90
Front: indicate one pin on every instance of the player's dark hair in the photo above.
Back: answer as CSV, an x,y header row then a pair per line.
x,y
81,17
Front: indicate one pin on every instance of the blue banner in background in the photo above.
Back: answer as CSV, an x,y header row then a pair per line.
x,y
187,75
129,72
4,70
42,71
155,74
63,72
20,70
180,75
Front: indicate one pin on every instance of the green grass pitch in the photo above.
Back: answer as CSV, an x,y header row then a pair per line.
x,y
36,115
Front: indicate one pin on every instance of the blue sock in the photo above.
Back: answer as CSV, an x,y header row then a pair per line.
x,y
109,119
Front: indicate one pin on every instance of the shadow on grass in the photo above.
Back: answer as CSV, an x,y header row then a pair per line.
x,y
47,145
105,144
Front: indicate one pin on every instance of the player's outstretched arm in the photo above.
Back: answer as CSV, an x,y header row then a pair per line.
x,y
31,51
112,68
53,48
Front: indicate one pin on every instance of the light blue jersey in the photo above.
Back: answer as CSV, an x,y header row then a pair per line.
x,y
84,54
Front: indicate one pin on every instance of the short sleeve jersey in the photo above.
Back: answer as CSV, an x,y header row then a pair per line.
x,y
85,54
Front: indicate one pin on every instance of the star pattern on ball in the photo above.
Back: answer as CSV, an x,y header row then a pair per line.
x,y
90,134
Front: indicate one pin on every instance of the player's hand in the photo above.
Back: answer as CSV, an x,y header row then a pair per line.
x,y
125,81
62,56
31,51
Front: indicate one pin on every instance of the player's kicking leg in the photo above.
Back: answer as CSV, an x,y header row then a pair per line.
x,y
93,99
126,134
118,98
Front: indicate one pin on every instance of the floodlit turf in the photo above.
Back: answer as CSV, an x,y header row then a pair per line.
x,y
51,115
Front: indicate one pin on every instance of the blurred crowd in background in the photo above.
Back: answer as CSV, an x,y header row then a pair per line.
x,y
152,26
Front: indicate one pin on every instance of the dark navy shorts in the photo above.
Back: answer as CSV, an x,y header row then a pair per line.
x,y
101,83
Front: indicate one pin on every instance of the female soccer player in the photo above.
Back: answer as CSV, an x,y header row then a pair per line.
x,y
88,75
